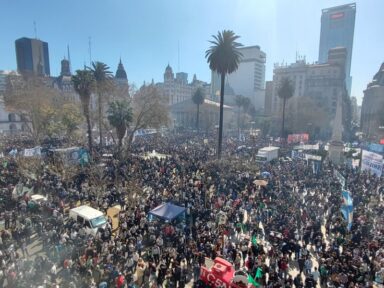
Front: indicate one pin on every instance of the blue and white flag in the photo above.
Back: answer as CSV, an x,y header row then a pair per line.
x,y
347,208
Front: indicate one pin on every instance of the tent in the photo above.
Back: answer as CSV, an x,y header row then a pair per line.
x,y
167,211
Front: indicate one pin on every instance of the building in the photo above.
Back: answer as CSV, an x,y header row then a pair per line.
x,y
355,111
316,88
121,81
184,113
177,89
268,98
63,83
337,30
10,122
32,55
248,80
372,110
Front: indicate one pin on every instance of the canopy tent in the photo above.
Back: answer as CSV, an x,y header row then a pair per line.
x,y
167,211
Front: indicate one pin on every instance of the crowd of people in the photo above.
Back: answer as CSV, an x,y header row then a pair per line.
x,y
287,232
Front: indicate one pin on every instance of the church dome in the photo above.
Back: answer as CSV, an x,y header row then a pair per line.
x,y
120,72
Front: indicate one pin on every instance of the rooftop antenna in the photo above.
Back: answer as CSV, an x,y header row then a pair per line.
x,y
35,29
90,51
178,56
69,59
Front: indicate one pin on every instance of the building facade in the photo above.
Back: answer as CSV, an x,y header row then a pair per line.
x,y
32,56
337,30
248,80
318,86
177,89
268,98
372,110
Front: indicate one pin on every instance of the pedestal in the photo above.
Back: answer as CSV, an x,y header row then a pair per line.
x,y
335,152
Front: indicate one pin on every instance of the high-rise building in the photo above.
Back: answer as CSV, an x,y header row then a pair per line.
x,y
32,56
337,30
372,116
248,80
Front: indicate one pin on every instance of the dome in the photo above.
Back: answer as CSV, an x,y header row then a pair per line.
x,y
168,69
120,72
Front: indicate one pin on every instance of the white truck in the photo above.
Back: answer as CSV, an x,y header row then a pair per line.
x,y
91,218
267,154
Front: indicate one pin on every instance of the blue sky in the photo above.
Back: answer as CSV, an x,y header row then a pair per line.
x,y
146,33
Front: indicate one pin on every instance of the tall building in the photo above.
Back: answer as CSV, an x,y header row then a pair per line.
x,y
248,80
121,81
337,30
372,115
32,56
317,87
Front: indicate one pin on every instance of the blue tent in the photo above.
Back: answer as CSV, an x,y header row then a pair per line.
x,y
167,211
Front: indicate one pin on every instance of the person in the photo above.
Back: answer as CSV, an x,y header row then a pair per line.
x,y
298,281
308,265
315,275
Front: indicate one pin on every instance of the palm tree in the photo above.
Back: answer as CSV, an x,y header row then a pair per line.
x,y
84,83
224,58
103,77
198,99
285,92
120,117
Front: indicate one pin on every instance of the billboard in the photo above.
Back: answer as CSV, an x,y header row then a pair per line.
x,y
372,162
298,138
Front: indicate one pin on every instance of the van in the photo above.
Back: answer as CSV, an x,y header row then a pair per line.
x,y
92,219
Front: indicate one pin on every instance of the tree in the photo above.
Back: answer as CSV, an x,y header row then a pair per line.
x,y
71,118
120,117
103,78
34,101
285,92
224,58
198,99
84,83
150,110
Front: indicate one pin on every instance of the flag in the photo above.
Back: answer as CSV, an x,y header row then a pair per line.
x,y
259,273
347,208
254,240
252,281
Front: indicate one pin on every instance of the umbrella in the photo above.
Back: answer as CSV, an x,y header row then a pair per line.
x,y
265,174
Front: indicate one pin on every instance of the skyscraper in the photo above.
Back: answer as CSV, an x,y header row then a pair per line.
x,y
337,29
32,56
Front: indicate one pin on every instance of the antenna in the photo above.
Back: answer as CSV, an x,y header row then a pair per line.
x,y
69,58
178,56
90,51
35,29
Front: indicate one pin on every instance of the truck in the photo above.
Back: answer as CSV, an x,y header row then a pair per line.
x,y
91,218
267,154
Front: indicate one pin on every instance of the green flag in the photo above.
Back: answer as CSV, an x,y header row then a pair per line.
x,y
254,240
259,273
252,281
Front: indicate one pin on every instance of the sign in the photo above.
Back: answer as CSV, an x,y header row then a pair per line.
x,y
337,15
32,152
312,157
307,147
377,148
218,275
304,156
339,177
298,138
372,162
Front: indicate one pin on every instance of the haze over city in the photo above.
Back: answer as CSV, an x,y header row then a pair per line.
x,y
148,35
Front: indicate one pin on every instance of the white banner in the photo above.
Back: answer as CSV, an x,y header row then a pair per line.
x,y
32,152
372,162
307,147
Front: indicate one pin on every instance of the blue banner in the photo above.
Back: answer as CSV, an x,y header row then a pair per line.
x,y
347,208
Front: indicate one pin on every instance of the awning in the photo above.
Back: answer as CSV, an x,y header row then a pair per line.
x,y
167,211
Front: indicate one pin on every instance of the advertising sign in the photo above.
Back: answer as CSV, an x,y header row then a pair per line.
x,y
372,162
298,138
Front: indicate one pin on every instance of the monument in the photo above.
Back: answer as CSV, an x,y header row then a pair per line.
x,y
336,146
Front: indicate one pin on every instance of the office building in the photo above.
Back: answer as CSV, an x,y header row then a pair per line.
x,y
337,30
372,110
32,56
248,80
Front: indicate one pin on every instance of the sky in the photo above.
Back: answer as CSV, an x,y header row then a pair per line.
x,y
149,34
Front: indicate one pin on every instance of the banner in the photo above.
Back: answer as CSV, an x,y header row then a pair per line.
x,y
304,156
307,147
377,148
298,138
339,177
372,162
347,208
382,141
32,152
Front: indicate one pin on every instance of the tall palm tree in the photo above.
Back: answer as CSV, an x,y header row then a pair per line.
x,y
285,92
103,78
198,99
223,58
84,83
120,117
